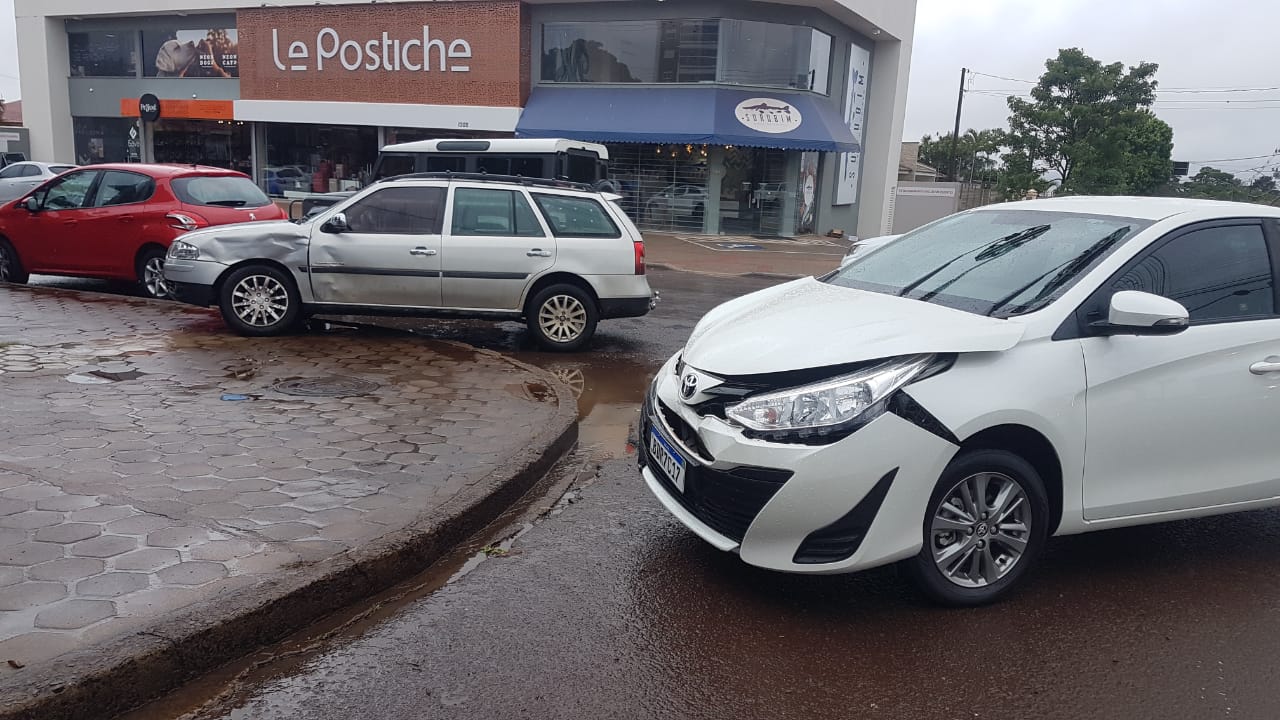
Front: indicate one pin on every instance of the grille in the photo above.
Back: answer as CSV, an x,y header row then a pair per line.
x,y
727,501
684,432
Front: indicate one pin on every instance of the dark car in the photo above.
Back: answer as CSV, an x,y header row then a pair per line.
x,y
116,221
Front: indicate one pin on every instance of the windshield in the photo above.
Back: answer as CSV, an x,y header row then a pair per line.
x,y
219,190
990,262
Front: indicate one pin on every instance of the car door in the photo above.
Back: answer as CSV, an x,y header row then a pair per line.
x,y
495,245
109,233
1188,420
388,253
18,179
48,239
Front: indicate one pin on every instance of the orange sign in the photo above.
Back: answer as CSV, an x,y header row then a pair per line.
x,y
187,109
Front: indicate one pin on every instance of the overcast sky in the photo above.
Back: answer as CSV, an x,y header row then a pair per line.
x,y
1199,44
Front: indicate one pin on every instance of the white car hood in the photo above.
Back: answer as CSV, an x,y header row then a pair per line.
x,y
808,324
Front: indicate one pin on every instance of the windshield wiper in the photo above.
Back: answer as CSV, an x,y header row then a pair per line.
x,y
1069,270
997,250
1014,239
227,203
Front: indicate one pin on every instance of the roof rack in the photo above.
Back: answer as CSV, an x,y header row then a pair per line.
x,y
516,179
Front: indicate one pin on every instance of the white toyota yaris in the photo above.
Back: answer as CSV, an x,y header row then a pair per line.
x,y
997,377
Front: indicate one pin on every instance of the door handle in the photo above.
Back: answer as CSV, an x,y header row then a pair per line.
x,y
126,218
69,222
538,252
422,251
1269,365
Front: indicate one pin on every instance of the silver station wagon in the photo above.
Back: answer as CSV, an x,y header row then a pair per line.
x,y
557,255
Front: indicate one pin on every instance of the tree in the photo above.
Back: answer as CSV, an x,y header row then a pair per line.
x,y
1264,183
1089,127
976,154
1,108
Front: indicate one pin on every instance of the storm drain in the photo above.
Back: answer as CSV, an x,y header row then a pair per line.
x,y
331,386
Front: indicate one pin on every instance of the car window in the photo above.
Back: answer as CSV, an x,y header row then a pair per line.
x,y
68,192
59,169
31,171
13,171
576,217
398,211
123,188
500,213
219,190
1218,274
999,262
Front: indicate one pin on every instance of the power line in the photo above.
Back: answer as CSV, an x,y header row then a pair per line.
x,y
1191,90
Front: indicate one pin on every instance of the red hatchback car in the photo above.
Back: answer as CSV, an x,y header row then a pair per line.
x,y
116,221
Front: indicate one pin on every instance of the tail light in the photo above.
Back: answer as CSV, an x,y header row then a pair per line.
x,y
185,221
638,245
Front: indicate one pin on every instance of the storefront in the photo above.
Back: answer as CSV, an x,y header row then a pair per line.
x,y
736,118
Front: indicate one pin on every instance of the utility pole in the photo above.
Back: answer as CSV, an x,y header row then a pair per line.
x,y
955,137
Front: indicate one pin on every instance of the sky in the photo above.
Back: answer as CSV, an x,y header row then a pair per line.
x,y
1199,45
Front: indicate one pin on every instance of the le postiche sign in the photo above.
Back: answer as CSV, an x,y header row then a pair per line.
x,y
415,55
455,53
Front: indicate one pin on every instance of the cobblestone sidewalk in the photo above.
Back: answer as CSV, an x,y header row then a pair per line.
x,y
149,459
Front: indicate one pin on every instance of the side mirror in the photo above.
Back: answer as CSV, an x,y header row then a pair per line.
x,y
31,204
336,224
1140,313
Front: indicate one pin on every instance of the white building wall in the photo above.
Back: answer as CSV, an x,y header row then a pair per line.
x,y
43,67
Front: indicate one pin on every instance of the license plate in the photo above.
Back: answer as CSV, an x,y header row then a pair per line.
x,y
667,459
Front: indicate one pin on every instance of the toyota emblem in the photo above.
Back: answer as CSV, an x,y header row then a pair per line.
x,y
688,386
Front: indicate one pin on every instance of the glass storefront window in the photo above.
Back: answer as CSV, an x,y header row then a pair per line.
x,y
739,52
643,51
103,54
790,56
220,143
99,140
302,159
663,187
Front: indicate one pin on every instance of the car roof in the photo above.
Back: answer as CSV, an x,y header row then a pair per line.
x,y
1143,208
498,145
164,169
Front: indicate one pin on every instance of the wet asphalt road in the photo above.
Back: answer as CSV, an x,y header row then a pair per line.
x,y
610,609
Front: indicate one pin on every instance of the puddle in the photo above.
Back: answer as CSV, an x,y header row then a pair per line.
x,y
538,391
87,379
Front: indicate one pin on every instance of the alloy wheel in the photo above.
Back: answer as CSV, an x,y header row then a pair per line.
x,y
980,529
259,300
153,278
562,318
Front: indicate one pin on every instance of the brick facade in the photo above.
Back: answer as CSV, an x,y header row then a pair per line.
x,y
497,34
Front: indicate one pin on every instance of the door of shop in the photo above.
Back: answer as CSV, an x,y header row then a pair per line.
x,y
754,194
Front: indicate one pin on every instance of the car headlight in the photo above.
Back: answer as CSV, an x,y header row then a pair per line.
x,y
183,251
829,407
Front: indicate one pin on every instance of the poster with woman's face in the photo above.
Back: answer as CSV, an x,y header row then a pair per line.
x,y
808,191
192,53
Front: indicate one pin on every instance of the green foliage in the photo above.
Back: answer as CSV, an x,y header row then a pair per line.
x,y
1090,127
976,154
1213,184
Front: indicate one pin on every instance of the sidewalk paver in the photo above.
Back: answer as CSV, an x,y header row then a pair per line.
x,y
149,462
725,255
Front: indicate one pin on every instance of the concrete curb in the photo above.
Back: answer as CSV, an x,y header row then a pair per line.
x,y
107,679
756,274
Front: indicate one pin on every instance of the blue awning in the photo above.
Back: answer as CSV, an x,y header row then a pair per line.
x,y
689,116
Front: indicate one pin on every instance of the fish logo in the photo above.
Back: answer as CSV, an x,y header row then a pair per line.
x,y
768,115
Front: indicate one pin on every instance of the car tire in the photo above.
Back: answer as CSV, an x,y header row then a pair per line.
x,y
260,300
11,269
150,273
970,561
562,318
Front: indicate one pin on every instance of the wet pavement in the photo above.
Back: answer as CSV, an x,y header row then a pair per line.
x,y
149,460
607,607
612,609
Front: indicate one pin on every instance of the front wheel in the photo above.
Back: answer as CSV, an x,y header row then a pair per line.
x,y
260,300
10,265
986,524
150,271
562,317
